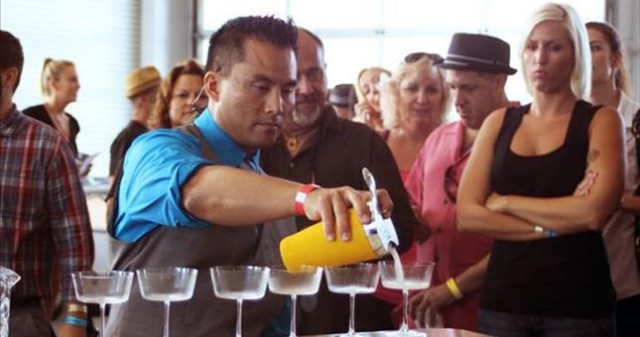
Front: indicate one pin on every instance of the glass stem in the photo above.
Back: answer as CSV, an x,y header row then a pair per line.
x,y
239,319
102,320
166,318
352,310
293,316
405,304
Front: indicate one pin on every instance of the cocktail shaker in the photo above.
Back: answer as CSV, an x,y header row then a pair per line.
x,y
368,241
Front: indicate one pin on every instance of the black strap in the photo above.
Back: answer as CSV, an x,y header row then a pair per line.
x,y
112,200
635,131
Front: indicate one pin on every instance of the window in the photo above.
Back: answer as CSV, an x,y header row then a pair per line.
x,y
102,39
362,33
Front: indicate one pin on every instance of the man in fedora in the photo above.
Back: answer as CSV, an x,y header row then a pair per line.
x,y
343,97
477,67
141,88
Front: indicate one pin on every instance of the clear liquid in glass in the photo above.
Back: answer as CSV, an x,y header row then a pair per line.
x,y
304,281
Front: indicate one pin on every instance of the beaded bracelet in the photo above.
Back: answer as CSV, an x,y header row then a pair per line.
x,y
550,234
72,320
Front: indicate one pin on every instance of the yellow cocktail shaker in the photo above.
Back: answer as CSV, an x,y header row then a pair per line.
x,y
369,241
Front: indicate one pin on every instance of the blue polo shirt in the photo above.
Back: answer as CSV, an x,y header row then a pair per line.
x,y
157,165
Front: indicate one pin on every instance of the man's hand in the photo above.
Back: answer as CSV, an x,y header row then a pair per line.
x,y
68,330
424,306
331,206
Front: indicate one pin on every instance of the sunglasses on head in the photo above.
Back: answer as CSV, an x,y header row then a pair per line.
x,y
413,57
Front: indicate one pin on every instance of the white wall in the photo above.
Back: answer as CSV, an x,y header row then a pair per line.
x,y
625,15
165,33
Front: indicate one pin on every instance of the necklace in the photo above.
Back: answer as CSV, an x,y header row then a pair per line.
x,y
298,142
292,143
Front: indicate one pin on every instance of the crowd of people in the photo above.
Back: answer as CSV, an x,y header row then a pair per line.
x,y
527,209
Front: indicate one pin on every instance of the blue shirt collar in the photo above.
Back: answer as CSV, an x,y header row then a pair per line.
x,y
226,149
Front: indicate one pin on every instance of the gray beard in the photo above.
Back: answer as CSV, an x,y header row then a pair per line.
x,y
304,120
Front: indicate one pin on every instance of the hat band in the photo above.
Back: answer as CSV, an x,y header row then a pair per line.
x,y
475,59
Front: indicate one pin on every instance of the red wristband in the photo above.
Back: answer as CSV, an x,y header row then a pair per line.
x,y
301,196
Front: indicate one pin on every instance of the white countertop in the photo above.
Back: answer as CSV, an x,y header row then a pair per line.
x,y
434,332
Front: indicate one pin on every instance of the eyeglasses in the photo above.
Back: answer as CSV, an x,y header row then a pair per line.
x,y
199,108
413,57
450,184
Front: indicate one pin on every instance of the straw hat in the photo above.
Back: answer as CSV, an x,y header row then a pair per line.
x,y
141,80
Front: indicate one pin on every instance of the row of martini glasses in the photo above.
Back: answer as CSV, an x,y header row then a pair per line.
x,y
250,283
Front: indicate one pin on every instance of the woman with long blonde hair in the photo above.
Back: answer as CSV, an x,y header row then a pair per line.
x,y
368,110
542,180
59,85
414,101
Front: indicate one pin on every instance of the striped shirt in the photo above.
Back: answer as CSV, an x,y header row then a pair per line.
x,y
43,211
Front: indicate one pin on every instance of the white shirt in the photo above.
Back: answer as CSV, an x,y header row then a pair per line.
x,y
620,230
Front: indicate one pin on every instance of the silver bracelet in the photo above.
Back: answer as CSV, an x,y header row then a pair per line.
x,y
538,229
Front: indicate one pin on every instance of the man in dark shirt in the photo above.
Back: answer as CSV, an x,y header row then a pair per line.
x,y
318,147
141,89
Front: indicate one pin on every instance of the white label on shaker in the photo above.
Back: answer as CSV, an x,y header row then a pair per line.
x,y
387,233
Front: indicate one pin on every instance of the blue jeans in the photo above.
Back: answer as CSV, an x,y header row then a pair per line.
x,y
514,325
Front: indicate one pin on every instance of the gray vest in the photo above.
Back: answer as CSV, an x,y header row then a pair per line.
x,y
204,314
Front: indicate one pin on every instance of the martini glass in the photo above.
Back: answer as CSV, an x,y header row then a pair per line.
x,y
239,283
414,276
167,285
354,279
303,281
102,287
8,278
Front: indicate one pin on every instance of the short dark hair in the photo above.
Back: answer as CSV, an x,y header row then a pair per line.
x,y
226,46
11,55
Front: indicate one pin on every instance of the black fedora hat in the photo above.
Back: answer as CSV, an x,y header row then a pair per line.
x,y
343,95
478,52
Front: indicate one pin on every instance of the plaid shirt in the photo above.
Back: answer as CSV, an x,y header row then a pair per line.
x,y
43,210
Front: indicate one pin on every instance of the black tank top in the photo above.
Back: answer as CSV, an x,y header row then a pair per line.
x,y
566,276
